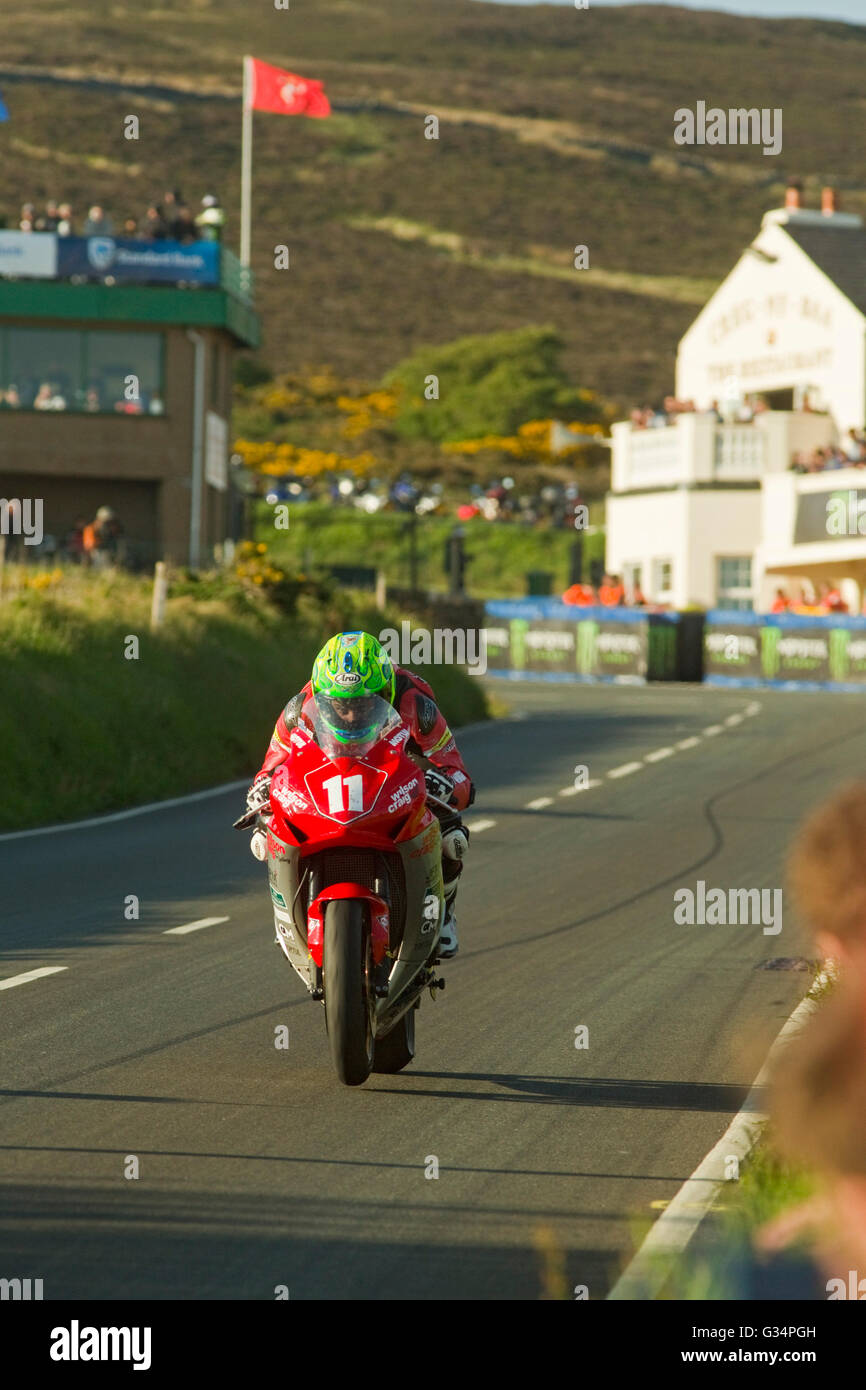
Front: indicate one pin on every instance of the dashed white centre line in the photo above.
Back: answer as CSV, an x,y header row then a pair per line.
x,y
195,926
31,975
688,743
477,825
539,803
582,787
752,709
733,719
625,770
712,729
657,755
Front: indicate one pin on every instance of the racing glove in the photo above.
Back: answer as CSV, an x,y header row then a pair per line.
x,y
438,784
259,793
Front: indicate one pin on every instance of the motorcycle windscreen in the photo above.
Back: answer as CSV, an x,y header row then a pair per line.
x,y
349,727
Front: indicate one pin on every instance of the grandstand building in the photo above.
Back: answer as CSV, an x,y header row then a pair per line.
x,y
116,385
705,509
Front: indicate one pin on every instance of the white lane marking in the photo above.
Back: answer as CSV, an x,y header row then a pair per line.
x,y
733,719
126,815
658,754
476,826
712,729
625,770
753,708
195,926
645,1275
688,743
539,803
584,787
32,975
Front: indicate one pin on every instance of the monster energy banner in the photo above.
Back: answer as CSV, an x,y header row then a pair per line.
x,y
785,649
550,638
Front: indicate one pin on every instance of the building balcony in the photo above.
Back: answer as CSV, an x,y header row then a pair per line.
x,y
697,450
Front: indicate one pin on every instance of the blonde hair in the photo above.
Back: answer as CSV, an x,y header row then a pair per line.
x,y
827,865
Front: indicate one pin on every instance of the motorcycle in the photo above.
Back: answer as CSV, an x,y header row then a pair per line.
x,y
355,874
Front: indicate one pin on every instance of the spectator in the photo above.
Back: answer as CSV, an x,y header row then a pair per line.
x,y
101,539
10,399
49,219
98,223
28,217
130,228
154,227
172,202
156,406
184,228
580,595
92,403
64,219
611,592
211,219
781,603
48,397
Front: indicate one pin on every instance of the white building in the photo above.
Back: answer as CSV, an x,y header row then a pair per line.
x,y
703,512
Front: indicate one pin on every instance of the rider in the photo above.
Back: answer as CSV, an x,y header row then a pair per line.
x,y
353,665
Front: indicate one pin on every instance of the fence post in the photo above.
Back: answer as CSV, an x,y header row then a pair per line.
x,y
381,590
160,588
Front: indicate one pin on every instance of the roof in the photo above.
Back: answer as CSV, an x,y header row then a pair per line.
x,y
840,252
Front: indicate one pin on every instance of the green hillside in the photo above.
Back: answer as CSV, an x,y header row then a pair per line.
x,y
556,129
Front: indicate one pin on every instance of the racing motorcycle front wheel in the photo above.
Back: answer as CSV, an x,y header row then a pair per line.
x,y
346,974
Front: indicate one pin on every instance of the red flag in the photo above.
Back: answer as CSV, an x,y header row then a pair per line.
x,y
274,89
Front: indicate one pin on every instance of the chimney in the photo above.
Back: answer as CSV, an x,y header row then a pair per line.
x,y
792,196
829,201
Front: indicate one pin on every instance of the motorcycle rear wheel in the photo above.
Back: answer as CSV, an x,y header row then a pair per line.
x,y
345,979
396,1050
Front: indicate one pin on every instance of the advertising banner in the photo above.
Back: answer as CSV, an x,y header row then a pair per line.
x,y
101,257
790,650
32,255
545,637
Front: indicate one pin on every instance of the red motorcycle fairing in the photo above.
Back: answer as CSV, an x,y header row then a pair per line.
x,y
367,802
380,919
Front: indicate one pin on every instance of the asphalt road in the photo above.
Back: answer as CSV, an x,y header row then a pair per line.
x,y
257,1169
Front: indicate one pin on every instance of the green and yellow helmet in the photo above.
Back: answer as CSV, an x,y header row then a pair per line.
x,y
353,664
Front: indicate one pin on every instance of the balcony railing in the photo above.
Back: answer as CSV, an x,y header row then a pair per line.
x,y
237,279
739,452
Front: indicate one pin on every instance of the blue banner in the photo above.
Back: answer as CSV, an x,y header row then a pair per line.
x,y
103,257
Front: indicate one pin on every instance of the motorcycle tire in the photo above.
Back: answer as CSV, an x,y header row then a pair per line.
x,y
345,979
396,1050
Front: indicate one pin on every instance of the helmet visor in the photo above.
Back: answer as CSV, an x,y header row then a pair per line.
x,y
349,726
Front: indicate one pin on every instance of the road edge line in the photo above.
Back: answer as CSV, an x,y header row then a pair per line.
x,y
646,1272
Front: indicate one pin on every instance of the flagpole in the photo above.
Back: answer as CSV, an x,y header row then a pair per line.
x,y
246,162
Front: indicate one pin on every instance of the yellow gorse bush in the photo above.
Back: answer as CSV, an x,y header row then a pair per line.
x,y
278,460
530,444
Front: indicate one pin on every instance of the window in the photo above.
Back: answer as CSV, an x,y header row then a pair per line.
x,y
663,578
72,369
734,582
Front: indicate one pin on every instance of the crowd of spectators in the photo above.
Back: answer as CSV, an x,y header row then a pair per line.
x,y
99,397
850,453
733,412
168,219
824,599
610,592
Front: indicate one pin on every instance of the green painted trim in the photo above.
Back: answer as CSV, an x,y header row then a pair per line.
x,y
207,307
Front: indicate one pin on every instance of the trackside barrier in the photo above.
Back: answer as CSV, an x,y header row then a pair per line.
x,y
549,640
786,651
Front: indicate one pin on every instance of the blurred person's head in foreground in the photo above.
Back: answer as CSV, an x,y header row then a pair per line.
x,y
818,1115
827,876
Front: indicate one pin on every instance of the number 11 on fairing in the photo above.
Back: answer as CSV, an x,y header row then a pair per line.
x,y
334,787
